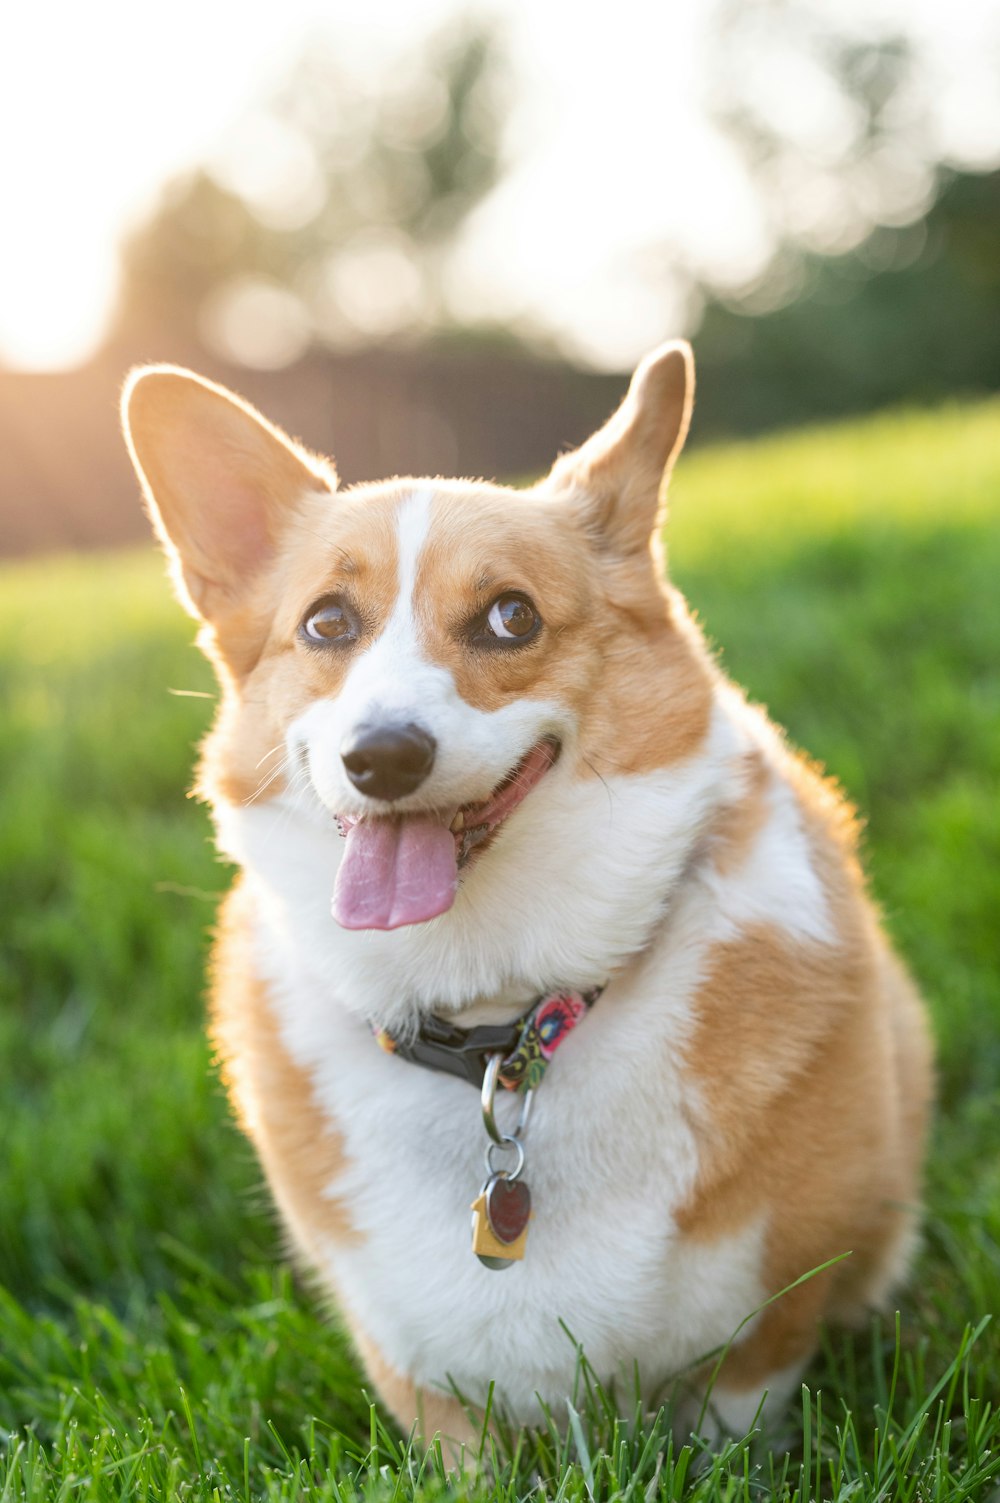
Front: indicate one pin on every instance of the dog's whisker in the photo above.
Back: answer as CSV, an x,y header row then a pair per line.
x,y
607,786
280,747
266,782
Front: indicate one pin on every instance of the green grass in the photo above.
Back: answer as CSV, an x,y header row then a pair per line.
x,y
152,1340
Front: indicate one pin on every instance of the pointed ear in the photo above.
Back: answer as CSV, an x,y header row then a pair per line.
x,y
220,481
619,473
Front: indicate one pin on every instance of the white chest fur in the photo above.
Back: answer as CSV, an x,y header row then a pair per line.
x,y
610,1156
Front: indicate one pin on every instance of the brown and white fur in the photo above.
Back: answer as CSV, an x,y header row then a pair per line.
x,y
748,1098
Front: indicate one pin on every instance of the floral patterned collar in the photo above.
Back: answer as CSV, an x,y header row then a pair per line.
x,y
526,1045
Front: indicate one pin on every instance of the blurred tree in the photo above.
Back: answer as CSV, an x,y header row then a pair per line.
x,y
835,130
912,313
884,278
329,214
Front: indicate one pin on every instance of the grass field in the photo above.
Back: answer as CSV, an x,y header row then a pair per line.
x,y
153,1342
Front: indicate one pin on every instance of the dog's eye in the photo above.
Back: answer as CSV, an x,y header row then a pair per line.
x,y
512,616
328,622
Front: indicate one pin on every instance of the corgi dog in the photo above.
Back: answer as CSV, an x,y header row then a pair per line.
x,y
509,839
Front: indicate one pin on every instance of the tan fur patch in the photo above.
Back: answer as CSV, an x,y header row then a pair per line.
x,y
300,1149
737,826
614,647
654,703
485,543
812,1113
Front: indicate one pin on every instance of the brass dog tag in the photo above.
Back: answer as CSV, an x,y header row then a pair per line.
x,y
500,1216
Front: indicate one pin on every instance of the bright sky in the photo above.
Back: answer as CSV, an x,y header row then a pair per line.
x,y
609,152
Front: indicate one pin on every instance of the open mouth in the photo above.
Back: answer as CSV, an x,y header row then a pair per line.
x,y
402,869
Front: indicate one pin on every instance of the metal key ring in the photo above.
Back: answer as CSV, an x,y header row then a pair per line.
x,y
488,1098
505,1142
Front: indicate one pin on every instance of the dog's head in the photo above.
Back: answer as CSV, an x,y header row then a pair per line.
x,y
422,654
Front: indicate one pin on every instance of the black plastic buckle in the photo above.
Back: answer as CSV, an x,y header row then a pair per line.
x,y
464,1052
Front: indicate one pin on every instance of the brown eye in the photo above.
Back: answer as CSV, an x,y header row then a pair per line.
x,y
513,617
329,622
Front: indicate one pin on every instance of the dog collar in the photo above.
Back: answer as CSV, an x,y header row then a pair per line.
x,y
516,1056
526,1045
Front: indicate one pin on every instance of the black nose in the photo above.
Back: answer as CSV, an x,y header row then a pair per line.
x,y
388,761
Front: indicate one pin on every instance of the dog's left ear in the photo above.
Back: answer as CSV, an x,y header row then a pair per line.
x,y
222,484
619,474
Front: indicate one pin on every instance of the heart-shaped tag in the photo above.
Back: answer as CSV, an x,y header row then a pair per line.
x,y
508,1207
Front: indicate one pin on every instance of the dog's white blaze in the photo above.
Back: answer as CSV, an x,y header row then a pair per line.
x,y
391,680
382,681
394,681
412,526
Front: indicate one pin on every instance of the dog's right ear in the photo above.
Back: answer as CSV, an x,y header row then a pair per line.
x,y
220,481
618,476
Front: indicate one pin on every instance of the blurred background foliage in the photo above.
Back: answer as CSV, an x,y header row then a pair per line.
x,y
327,215
884,284
328,220
315,257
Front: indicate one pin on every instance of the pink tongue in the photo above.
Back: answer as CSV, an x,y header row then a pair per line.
x,y
395,872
